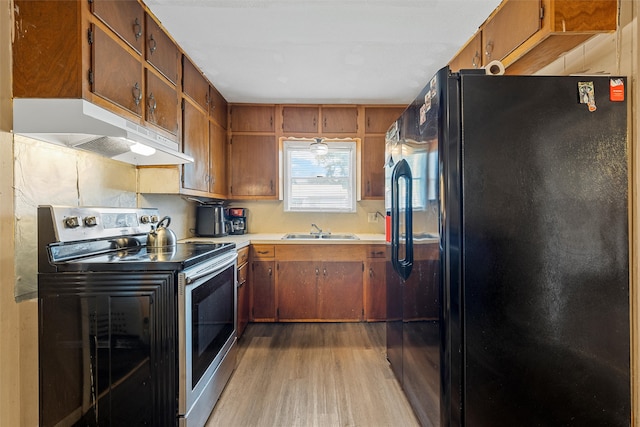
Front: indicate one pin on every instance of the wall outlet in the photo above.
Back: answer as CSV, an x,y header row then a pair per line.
x,y
372,217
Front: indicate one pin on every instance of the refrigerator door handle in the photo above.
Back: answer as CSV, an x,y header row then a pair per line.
x,y
401,266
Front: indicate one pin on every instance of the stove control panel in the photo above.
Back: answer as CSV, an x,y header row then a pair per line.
x,y
70,224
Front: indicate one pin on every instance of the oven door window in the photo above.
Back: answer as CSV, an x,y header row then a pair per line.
x,y
212,308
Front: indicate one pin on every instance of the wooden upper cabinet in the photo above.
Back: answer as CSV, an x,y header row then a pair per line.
x,y
373,152
195,137
527,35
116,74
253,166
194,85
47,62
160,50
162,103
217,107
123,17
252,118
470,56
339,120
511,26
379,119
217,159
300,119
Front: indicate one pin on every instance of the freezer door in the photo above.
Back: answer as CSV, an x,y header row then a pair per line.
x,y
545,253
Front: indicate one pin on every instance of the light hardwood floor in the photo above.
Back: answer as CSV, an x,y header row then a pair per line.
x,y
312,374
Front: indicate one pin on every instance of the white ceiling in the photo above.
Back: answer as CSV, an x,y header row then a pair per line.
x,y
321,51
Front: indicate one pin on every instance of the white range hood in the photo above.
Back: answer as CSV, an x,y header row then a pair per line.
x,y
80,124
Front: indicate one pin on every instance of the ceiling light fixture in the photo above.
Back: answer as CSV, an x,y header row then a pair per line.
x,y
319,147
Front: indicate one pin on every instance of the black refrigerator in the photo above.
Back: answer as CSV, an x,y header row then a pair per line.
x,y
508,275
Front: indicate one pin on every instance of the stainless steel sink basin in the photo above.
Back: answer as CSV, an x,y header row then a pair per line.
x,y
291,236
295,236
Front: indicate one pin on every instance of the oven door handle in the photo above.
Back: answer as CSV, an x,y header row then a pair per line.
x,y
213,269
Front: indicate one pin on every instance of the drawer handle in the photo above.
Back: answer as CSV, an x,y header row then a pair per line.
x,y
263,252
153,45
137,93
152,103
489,49
137,29
476,60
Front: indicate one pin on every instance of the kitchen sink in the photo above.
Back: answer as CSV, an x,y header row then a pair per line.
x,y
323,236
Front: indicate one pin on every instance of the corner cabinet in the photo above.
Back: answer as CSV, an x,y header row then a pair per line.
x,y
526,35
204,135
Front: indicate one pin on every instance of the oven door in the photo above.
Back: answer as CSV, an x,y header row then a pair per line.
x,y
207,302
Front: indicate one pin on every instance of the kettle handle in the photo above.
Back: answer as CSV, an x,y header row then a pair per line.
x,y
167,219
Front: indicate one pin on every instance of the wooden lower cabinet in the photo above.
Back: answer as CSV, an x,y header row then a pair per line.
x,y
322,291
297,290
376,290
262,285
340,291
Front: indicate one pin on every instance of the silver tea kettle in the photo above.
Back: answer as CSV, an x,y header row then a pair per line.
x,y
161,236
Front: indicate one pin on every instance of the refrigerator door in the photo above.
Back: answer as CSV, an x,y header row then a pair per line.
x,y
413,278
544,252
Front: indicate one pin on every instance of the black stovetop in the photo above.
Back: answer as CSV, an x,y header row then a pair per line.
x,y
143,258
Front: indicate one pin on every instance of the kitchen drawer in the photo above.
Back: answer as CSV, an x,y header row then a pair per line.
x,y
377,251
243,255
264,251
242,274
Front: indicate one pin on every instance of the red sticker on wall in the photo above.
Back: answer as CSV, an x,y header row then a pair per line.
x,y
616,90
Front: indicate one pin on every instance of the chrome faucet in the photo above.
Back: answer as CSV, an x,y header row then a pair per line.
x,y
317,228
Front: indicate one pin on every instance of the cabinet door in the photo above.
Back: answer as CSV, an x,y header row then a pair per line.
x,y
470,57
340,291
514,23
252,118
162,103
373,167
217,107
262,285
297,290
300,119
195,138
244,304
194,85
254,165
339,120
376,290
117,75
379,119
161,52
218,159
124,17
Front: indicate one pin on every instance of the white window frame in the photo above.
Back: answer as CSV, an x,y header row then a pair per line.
x,y
303,143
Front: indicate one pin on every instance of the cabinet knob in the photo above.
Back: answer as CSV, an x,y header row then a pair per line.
x,y
270,271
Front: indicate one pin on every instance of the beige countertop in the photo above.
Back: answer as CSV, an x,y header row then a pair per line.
x,y
243,240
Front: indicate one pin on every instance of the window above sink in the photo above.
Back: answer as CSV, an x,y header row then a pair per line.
x,y
319,175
